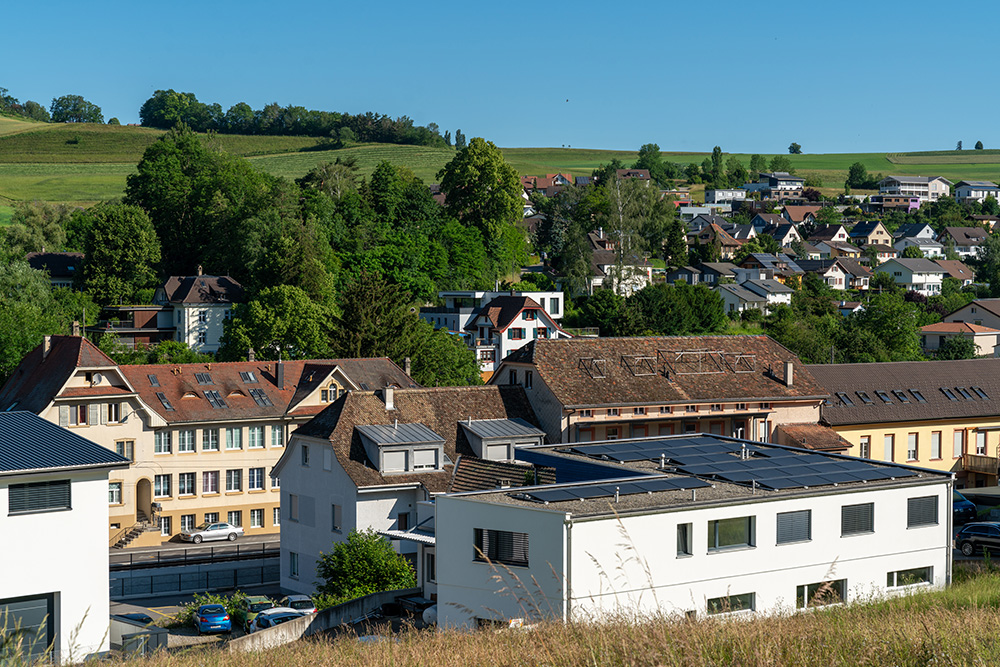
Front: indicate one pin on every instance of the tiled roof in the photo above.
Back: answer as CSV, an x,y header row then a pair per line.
x,y
30,443
990,305
915,264
569,370
203,289
476,474
58,264
956,269
926,377
825,233
503,310
743,294
966,235
799,213
439,409
854,267
35,381
813,436
957,327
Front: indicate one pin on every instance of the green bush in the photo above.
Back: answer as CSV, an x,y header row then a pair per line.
x,y
232,603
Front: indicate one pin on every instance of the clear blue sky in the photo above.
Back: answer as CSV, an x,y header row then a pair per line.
x,y
752,77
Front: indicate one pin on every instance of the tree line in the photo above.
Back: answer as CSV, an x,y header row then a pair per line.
x,y
65,109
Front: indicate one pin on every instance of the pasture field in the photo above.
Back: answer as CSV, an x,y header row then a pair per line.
x,y
5,213
424,161
80,184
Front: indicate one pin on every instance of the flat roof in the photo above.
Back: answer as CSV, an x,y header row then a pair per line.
x,y
399,434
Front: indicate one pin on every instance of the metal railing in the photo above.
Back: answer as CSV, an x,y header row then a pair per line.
x,y
200,555
212,580
120,533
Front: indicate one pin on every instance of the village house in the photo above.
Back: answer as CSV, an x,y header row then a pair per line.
x,y
975,191
725,196
920,275
965,240
62,267
823,233
934,336
201,305
870,233
781,266
926,188
798,215
929,247
630,276
737,299
955,269
982,312
884,203
777,185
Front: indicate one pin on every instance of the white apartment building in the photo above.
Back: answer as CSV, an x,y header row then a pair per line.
x,y
201,306
920,275
927,188
975,191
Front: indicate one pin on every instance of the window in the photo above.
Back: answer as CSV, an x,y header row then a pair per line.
x,y
936,445
305,455
203,316
276,519
865,448
965,393
125,448
638,411
586,413
716,407
527,379
981,443
900,396
731,603
112,413
336,518
275,482
255,437
210,440
501,546
857,519
822,593
889,448
215,399
153,381
165,526
515,333
666,409
235,517
794,526
234,438
980,393
733,533
259,397
202,337
255,479
911,447
612,412
512,377
161,486
529,315
210,481
948,392
185,484
865,398
541,332
293,565
161,442
845,399
884,396
211,517
917,395
922,511
187,521
684,545
257,518
611,433
918,575
234,480
430,567
114,493
278,436
249,377
185,441
959,444
293,507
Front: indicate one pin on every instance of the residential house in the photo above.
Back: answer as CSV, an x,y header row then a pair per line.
x,y
975,191
505,324
782,266
887,202
929,247
635,174
939,415
737,299
631,276
857,274
926,188
798,215
688,274
704,220
715,235
917,230
834,249
725,196
957,270
983,312
830,271
920,275
372,457
846,308
785,234
934,336
966,240
53,512
870,233
809,251
986,221
605,388
837,233
882,251
777,185
713,272
201,438
774,292
62,267
762,221
713,526
135,325
201,305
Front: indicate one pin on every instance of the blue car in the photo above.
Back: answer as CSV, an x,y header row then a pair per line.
x,y
212,618
962,509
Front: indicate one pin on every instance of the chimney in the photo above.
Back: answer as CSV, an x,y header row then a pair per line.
x,y
76,327
406,365
388,394
199,270
788,373
46,346
279,375
251,355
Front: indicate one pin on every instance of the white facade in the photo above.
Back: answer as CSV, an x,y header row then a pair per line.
x,y
727,196
589,567
200,324
929,247
926,282
927,188
60,559
975,191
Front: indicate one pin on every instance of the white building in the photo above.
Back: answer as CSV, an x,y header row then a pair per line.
x,y
201,305
54,498
920,275
927,188
975,191
691,526
929,247
726,196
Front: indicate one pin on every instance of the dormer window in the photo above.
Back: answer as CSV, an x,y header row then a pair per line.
x,y
400,448
331,392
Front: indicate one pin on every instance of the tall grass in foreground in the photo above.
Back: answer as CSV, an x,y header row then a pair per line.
x,y
959,626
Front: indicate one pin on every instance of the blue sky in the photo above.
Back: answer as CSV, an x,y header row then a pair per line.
x,y
751,77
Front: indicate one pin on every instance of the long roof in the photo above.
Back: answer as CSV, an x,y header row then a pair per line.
x,y
203,289
38,378
699,368
30,444
930,379
58,264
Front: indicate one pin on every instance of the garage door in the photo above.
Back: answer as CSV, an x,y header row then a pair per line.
x,y
27,625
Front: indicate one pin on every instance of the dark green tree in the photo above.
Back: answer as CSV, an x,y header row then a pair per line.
x,y
979,145
447,137
958,146
75,109
794,148
781,163
913,252
28,312
459,140
957,348
35,226
281,320
757,164
675,250
121,252
717,166
736,173
364,564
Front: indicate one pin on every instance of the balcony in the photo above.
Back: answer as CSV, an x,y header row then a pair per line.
x,y
986,465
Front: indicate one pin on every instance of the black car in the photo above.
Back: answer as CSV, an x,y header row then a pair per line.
x,y
978,536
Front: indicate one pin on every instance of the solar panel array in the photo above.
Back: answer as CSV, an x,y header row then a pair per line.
x,y
649,484
770,467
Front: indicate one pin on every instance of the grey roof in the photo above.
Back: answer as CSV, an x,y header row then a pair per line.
x,y
915,179
502,428
767,286
910,229
742,293
721,268
917,265
921,241
398,434
29,443
983,185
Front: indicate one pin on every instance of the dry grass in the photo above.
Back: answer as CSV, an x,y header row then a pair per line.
x,y
960,626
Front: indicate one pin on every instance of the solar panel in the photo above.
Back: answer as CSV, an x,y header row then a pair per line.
x,y
592,491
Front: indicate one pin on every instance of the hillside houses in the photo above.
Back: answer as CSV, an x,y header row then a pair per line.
x,y
926,188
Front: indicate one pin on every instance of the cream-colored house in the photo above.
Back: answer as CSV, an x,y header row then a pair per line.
x,y
201,306
202,438
933,336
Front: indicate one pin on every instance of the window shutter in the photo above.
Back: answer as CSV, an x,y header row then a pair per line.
x,y
94,409
39,497
103,409
921,511
857,519
425,458
794,526
64,415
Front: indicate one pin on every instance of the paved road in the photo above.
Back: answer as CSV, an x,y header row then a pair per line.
x,y
173,551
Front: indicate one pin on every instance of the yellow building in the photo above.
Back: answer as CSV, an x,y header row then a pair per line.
x,y
933,414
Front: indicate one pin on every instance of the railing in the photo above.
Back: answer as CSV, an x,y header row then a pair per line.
x,y
188,581
485,342
171,557
120,534
981,464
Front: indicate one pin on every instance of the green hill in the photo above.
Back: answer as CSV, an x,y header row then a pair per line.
x,y
84,163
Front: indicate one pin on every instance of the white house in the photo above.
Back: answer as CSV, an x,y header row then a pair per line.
x,y
981,312
736,299
975,191
929,247
201,305
774,292
461,306
690,526
920,275
725,196
966,240
927,188
934,336
54,498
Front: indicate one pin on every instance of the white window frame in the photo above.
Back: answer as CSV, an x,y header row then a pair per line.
x,y
255,437
234,438
210,440
234,480
255,479
186,441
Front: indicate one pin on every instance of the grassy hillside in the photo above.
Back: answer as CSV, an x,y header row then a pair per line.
x,y
84,163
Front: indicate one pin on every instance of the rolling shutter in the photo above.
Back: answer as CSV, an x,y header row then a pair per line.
x,y
64,415
39,497
856,519
496,452
424,458
94,411
794,526
393,461
921,511
35,619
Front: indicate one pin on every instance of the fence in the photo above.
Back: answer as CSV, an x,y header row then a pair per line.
x,y
189,582
169,557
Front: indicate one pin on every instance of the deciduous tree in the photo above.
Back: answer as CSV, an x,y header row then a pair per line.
x,y
121,252
364,564
75,109
794,148
281,320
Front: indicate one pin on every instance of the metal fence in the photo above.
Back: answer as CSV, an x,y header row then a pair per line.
x,y
125,560
210,581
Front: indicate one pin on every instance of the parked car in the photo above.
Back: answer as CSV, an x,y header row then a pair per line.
x,y
212,618
252,605
274,616
212,531
302,603
978,536
961,508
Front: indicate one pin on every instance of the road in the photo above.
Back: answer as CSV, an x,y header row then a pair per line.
x,y
173,553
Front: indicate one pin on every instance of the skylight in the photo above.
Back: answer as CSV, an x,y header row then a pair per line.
x,y
917,395
845,399
884,396
260,398
215,399
965,393
898,393
980,393
153,381
249,377
949,393
163,399
203,378
864,397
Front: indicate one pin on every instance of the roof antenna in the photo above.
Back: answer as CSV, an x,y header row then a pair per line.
x,y
616,494
663,460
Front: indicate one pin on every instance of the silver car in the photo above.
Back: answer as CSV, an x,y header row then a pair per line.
x,y
274,616
212,531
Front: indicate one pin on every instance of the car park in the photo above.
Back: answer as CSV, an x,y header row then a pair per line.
x,y
212,618
302,603
252,605
962,509
978,536
207,532
274,616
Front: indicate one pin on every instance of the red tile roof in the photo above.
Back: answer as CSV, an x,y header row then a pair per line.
x,y
957,327
36,381
475,474
811,436
797,214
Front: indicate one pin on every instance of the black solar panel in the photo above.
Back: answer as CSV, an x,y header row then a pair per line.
x,y
590,491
